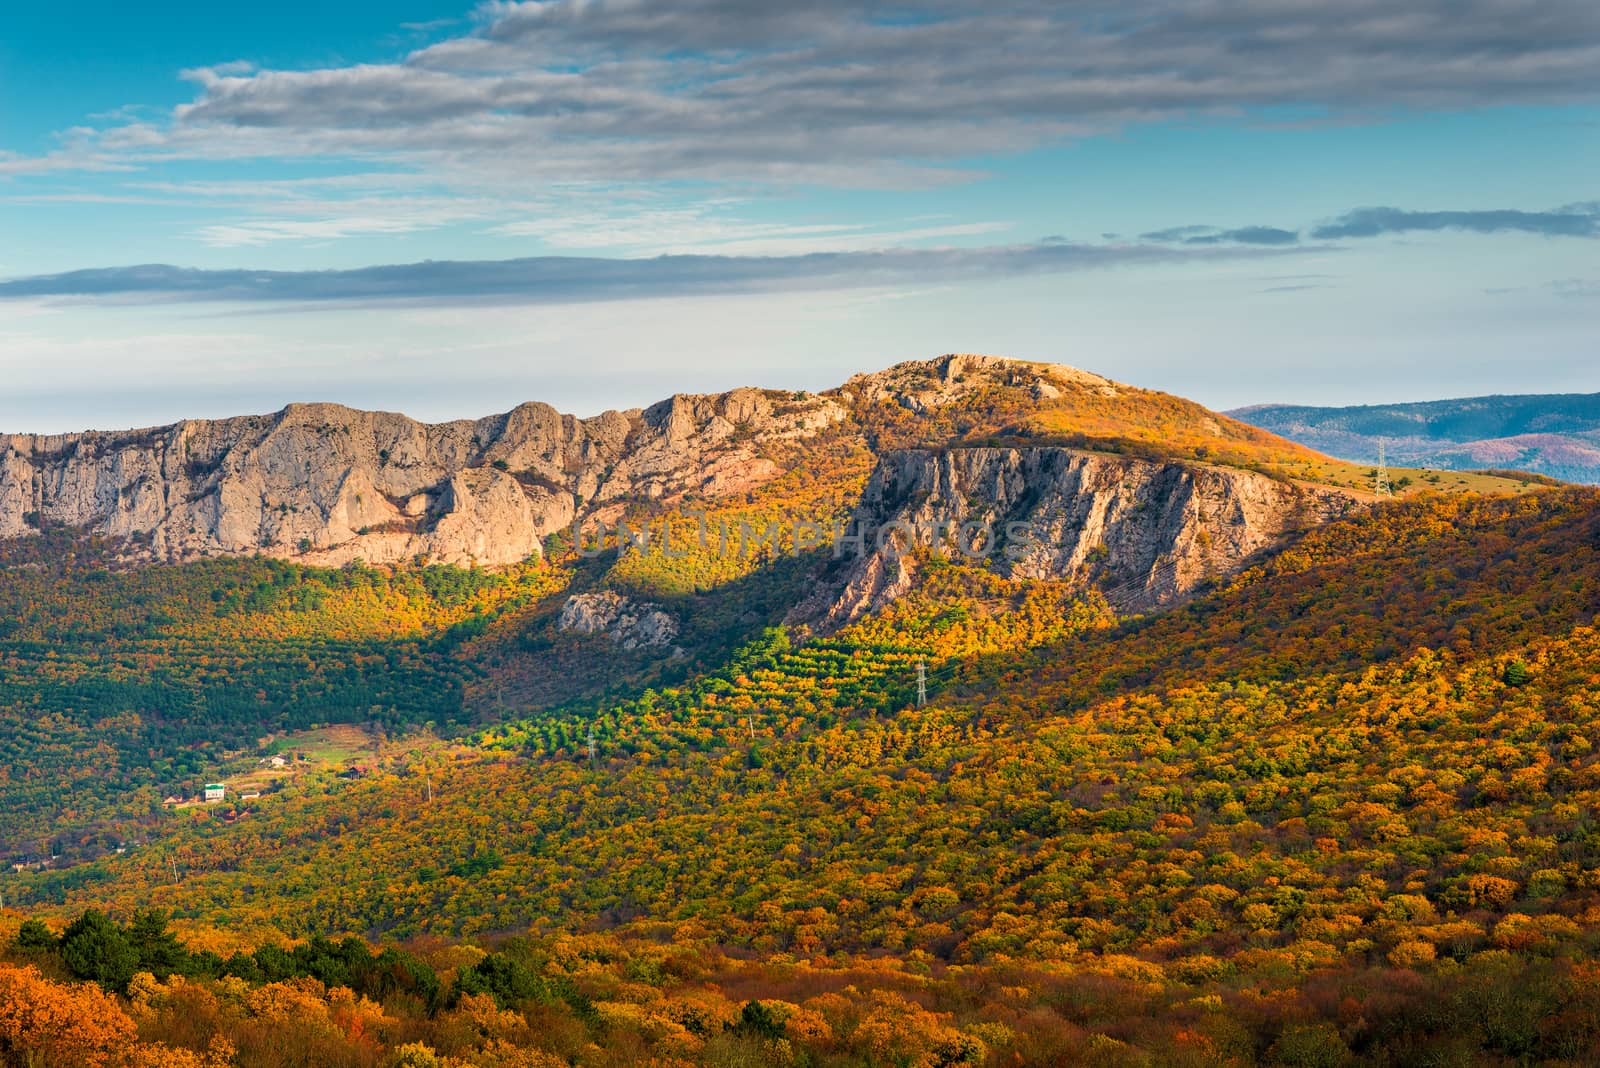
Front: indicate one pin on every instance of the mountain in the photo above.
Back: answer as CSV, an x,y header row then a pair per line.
x,y
165,595
1550,434
328,484
974,712
323,484
1337,810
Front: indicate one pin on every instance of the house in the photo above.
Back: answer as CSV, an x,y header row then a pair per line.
x,y
173,800
251,796
215,791
277,762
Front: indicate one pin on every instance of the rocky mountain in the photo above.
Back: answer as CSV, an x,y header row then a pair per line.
x,y
1144,532
1548,434
326,484
1141,494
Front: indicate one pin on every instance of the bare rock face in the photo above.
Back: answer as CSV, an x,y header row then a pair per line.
x,y
1144,532
631,624
926,385
327,485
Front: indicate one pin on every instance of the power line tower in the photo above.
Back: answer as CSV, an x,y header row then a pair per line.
x,y
1380,481
922,683
594,747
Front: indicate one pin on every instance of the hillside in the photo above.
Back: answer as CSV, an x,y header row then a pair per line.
x,y
1364,766
1554,434
168,672
1210,736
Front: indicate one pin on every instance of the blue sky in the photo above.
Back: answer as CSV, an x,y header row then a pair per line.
x,y
448,209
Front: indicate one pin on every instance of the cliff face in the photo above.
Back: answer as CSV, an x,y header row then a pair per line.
x,y
1144,532
327,484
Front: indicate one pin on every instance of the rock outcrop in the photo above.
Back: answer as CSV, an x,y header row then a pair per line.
x,y
1144,532
631,624
926,385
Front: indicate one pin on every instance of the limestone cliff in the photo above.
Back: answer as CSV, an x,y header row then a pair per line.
x,y
327,484
1144,532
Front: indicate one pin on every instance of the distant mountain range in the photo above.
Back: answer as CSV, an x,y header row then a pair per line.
x,y
1556,434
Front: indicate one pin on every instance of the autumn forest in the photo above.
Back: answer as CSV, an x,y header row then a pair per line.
x,y
1338,805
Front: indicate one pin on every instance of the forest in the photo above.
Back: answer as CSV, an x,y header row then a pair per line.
x,y
1338,809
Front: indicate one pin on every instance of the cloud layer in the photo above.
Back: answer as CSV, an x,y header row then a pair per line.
x,y
1574,220
849,93
573,279
1577,220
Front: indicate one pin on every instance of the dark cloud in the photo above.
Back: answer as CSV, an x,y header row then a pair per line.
x,y
1579,220
567,279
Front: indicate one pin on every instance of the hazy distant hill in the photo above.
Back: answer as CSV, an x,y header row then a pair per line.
x,y
1555,434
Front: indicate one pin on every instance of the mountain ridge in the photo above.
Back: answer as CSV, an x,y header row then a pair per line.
x,y
326,484
1554,434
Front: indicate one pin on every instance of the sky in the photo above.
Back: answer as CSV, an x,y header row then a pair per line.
x,y
447,210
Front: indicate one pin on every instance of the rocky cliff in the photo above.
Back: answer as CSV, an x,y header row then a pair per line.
x,y
328,484
1144,532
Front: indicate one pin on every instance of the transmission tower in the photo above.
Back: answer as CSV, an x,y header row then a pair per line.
x,y
922,683
1380,481
594,746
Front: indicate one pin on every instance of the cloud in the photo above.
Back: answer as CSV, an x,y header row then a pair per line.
x,y
1573,220
846,93
1578,220
572,279
1210,235
1575,288
702,228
